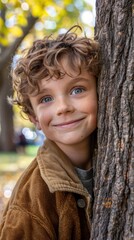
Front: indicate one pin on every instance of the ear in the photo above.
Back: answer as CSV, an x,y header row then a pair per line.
x,y
35,121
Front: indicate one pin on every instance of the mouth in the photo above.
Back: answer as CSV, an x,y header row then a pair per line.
x,y
69,123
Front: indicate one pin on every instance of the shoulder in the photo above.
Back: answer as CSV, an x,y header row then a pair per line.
x,y
30,188
31,194
29,206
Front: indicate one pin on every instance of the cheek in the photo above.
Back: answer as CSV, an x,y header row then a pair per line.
x,y
90,107
94,103
44,118
94,107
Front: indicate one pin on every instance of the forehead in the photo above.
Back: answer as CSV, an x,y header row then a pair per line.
x,y
69,66
67,80
68,72
62,85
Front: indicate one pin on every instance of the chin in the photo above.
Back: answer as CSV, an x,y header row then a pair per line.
x,y
71,141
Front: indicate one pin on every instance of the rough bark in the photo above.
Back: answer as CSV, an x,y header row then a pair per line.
x,y
113,217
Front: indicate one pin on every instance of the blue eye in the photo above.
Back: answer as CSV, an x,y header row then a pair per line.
x,y
77,90
46,99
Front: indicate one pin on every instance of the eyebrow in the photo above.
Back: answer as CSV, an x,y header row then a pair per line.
x,y
79,79
75,79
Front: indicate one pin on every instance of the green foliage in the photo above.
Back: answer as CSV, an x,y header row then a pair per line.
x,y
52,15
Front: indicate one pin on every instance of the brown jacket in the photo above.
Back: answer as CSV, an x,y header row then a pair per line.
x,y
49,202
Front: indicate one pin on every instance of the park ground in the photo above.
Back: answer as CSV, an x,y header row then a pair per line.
x,y
11,167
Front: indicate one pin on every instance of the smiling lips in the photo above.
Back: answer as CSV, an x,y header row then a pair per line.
x,y
68,124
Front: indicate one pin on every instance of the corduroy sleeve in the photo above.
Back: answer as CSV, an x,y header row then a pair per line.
x,y
19,224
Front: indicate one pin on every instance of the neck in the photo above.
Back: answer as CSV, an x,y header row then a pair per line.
x,y
79,155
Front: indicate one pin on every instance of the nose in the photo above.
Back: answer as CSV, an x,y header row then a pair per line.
x,y
64,106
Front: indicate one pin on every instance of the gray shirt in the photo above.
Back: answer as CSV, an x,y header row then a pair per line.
x,y
86,177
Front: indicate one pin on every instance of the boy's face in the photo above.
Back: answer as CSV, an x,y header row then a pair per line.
x,y
66,109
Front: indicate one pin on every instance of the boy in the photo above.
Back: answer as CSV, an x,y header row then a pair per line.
x,y
55,85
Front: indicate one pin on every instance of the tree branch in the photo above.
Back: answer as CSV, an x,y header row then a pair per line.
x,y
9,51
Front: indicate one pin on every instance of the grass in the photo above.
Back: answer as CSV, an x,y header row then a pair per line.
x,y
11,167
14,161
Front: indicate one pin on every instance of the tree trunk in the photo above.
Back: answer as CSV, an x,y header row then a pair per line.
x,y
6,115
113,217
6,111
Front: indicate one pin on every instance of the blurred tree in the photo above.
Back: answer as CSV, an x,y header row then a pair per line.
x,y
114,179
29,20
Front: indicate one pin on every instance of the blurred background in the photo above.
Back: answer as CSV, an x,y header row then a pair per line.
x,y
22,22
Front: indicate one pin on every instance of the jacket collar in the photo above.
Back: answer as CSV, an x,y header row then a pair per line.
x,y
57,170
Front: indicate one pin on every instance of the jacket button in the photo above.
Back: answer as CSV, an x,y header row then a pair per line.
x,y
81,203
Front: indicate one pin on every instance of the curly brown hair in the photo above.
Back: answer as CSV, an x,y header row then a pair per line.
x,y
43,59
